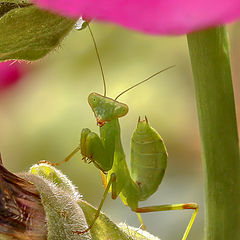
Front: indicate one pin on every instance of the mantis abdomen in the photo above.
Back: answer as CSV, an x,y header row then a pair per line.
x,y
148,159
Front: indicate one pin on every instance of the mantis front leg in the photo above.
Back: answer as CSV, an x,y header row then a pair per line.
x,y
99,150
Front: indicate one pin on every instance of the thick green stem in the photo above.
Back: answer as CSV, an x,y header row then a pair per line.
x,y
209,54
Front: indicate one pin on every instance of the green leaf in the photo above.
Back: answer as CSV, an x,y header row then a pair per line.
x,y
28,33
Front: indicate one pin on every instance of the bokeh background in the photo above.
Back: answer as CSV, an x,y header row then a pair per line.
x,y
42,115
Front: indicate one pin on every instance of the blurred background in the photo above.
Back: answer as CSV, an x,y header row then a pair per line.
x,y
41,116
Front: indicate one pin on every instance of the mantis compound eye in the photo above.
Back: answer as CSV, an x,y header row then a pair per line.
x,y
93,100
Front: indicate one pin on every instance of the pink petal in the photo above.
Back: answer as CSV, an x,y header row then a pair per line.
x,y
10,73
151,16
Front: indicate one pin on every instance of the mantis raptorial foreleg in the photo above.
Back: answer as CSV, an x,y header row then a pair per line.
x,y
100,152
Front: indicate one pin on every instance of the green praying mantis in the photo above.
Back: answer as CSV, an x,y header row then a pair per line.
x,y
148,156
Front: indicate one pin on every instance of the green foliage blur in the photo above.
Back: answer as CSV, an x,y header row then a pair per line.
x,y
41,117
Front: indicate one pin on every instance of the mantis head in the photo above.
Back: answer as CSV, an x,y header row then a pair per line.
x,y
106,109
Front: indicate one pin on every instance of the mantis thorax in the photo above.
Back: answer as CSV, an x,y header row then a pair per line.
x,y
106,109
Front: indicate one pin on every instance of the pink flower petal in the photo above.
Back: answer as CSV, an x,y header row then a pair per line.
x,y
10,73
151,16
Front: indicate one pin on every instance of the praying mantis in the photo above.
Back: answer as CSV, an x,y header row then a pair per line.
x,y
148,156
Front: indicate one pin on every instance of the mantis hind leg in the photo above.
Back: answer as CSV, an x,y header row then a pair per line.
x,y
193,206
141,221
112,182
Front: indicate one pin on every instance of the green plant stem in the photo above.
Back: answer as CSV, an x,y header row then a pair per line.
x,y
209,54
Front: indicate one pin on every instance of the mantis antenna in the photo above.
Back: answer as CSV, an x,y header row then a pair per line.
x,y
145,80
98,56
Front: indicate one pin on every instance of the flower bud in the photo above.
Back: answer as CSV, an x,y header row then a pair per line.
x,y
44,205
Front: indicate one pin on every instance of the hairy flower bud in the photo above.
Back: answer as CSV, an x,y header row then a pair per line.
x,y
44,205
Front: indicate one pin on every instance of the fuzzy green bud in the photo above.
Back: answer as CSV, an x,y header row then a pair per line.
x,y
44,205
